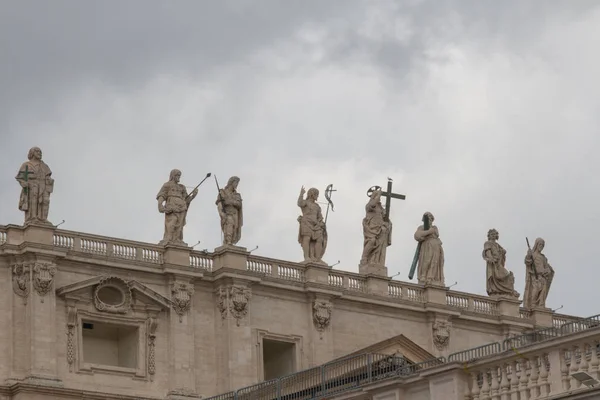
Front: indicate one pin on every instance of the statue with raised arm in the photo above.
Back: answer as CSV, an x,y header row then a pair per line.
x,y
538,277
174,201
377,232
229,205
499,281
312,234
35,178
431,254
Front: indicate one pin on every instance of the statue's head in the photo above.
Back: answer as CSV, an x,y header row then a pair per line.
x,y
493,234
313,193
429,216
34,152
175,175
538,245
233,182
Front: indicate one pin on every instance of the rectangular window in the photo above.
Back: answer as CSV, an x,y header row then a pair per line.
x,y
110,344
279,358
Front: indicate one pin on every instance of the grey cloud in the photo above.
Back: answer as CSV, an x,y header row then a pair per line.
x,y
482,112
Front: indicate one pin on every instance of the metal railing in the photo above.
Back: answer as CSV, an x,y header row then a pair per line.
x,y
353,372
330,379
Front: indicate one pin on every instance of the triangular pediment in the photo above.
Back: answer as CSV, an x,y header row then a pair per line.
x,y
398,345
89,288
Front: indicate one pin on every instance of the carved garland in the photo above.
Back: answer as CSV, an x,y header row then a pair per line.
x,y
71,324
322,315
152,325
43,278
181,297
234,300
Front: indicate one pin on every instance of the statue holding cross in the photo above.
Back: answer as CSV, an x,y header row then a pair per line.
x,y
377,230
35,178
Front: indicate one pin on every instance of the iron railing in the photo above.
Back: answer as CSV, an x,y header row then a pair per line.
x,y
353,372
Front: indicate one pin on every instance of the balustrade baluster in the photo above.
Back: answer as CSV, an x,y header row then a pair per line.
x,y
594,362
564,370
475,391
523,379
485,386
535,373
504,383
514,381
574,366
495,384
544,384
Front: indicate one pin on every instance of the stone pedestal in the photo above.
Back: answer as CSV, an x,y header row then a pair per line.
x,y
177,255
378,285
542,317
435,294
373,269
40,234
508,306
317,273
229,256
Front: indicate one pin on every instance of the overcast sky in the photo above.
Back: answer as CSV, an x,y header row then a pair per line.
x,y
483,112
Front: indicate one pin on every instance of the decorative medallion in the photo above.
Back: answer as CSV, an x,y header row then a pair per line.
x,y
112,295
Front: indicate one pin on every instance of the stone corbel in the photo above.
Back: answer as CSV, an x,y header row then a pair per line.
x,y
181,298
43,278
21,274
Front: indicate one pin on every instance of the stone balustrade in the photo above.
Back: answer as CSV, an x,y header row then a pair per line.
x,y
344,281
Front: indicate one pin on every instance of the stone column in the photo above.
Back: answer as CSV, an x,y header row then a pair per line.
x,y
34,320
235,345
182,381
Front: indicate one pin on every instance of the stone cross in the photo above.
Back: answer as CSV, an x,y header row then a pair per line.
x,y
388,197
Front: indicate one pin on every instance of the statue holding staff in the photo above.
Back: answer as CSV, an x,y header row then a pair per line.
x,y
229,206
377,232
35,178
174,202
312,232
538,277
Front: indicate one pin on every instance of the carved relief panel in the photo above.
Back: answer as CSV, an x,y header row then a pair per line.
x,y
322,315
441,333
233,300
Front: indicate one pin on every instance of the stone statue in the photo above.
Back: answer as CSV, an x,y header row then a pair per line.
x,y
312,234
431,254
174,201
500,282
36,182
377,232
538,277
229,205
